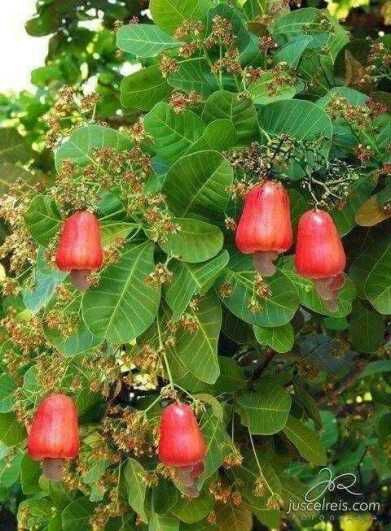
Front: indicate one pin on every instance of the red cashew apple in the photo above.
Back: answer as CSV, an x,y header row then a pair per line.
x,y
182,445
54,434
265,228
320,255
80,249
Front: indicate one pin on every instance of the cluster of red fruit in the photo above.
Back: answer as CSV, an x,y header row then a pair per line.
x,y
54,438
265,231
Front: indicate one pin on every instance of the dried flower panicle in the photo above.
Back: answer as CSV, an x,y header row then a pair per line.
x,y
161,275
180,101
168,65
129,430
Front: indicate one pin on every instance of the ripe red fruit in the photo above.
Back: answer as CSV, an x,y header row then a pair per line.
x,y
181,441
265,227
54,434
80,249
182,446
320,254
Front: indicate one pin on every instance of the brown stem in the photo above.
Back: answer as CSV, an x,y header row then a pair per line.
x,y
343,386
269,355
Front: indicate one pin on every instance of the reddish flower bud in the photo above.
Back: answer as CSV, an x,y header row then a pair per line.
x,y
80,249
265,227
54,434
320,254
181,441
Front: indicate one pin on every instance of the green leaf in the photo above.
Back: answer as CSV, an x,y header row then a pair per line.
x,y
193,510
195,242
161,522
329,432
112,230
218,443
30,473
13,146
197,184
46,280
264,90
123,306
77,515
81,341
198,350
11,172
7,388
190,280
169,14
194,74
134,475
301,119
232,518
353,96
376,367
144,40
79,147
241,112
318,350
345,219
219,135
43,219
280,338
143,89
10,469
310,299
265,411
231,378
372,272
366,329
38,512
173,133
306,441
275,311
11,431
292,51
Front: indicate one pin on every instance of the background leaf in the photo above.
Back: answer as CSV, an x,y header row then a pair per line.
x,y
174,134
195,242
43,219
197,183
144,40
279,338
123,306
83,141
198,350
241,112
265,411
134,475
169,14
306,441
143,89
11,431
274,311
46,281
190,280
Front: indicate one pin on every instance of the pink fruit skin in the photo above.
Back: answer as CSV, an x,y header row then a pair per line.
x,y
181,441
319,250
80,246
54,433
265,223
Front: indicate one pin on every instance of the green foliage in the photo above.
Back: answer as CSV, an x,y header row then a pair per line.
x,y
220,95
